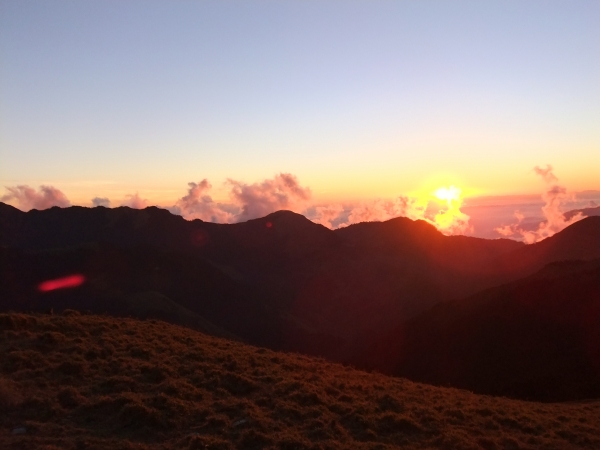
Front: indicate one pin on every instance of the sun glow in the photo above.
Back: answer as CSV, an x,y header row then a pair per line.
x,y
449,194
451,220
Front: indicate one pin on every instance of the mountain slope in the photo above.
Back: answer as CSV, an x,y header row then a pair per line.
x,y
579,241
74,382
330,293
143,282
537,338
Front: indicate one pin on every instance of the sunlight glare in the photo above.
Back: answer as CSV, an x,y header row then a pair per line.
x,y
448,194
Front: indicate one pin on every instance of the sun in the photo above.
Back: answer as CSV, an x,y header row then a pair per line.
x,y
448,194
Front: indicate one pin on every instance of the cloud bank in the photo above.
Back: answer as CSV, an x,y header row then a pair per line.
x,y
449,219
247,201
260,199
283,191
253,200
197,204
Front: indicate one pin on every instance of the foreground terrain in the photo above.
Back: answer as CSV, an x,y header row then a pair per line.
x,y
82,381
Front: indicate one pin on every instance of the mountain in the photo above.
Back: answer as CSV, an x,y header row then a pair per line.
x,y
281,280
141,282
75,381
536,338
281,234
579,241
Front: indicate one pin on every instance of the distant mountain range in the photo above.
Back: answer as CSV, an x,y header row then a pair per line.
x,y
280,281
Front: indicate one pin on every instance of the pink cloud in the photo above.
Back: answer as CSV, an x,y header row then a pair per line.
x,y
197,204
259,199
510,230
326,215
555,221
135,201
25,197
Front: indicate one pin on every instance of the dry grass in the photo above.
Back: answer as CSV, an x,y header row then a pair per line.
x,y
79,382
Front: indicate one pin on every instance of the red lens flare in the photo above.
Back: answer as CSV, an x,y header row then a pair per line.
x,y
268,224
62,283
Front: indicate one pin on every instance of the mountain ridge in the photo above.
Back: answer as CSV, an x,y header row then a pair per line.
x,y
279,281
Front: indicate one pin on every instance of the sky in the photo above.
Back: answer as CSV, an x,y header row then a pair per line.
x,y
356,100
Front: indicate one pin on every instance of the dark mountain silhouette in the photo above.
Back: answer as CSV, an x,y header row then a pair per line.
x,y
279,281
344,283
142,282
580,241
535,338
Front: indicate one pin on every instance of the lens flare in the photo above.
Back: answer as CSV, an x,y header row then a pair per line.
x,y
62,283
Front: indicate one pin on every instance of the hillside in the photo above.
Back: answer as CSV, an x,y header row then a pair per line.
x,y
579,241
141,282
535,338
280,281
74,382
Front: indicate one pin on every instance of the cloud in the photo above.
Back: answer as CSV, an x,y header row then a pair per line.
x,y
546,173
25,197
555,221
380,210
259,199
510,230
283,191
101,201
248,201
135,201
326,215
449,220
452,221
198,205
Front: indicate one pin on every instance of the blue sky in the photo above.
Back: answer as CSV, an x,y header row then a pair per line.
x,y
357,99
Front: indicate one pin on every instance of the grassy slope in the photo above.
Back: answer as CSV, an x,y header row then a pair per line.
x,y
98,382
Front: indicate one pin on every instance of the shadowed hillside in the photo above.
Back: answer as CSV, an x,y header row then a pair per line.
x,y
580,241
142,282
534,338
90,382
283,281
